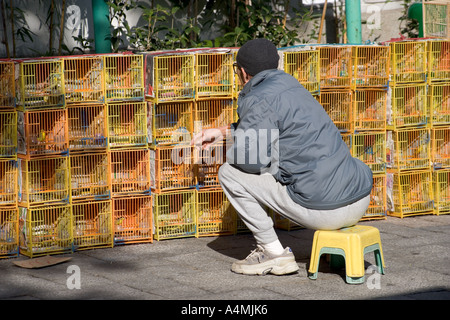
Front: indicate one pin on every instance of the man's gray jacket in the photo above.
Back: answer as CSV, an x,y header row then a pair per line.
x,y
283,129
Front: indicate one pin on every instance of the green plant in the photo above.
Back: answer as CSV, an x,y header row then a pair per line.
x,y
408,27
118,21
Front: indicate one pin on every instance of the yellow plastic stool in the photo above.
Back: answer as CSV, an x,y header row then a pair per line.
x,y
352,244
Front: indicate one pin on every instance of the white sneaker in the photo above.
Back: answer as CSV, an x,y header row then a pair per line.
x,y
261,263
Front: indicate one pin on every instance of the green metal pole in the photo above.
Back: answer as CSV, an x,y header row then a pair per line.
x,y
353,16
102,26
415,12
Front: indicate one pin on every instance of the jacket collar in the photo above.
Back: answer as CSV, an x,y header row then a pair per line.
x,y
256,80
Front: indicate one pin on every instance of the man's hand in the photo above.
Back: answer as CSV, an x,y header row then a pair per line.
x,y
207,137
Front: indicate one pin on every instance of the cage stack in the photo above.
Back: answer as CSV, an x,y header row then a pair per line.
x,y
436,18
408,144
439,109
128,158
45,211
188,90
90,188
9,212
370,80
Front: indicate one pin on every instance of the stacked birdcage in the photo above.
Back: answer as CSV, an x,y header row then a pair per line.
x,y
408,143
45,220
436,18
90,188
187,91
439,110
370,78
128,156
9,214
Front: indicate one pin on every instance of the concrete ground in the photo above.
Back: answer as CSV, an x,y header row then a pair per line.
x,y
416,252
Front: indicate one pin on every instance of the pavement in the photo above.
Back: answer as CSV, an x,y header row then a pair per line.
x,y
416,252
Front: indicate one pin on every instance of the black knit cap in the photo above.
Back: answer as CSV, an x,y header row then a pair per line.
x,y
257,55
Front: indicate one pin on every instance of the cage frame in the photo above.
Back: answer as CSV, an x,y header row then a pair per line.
x,y
42,133
40,231
8,134
438,59
175,214
369,109
172,122
127,124
214,75
439,103
32,89
335,66
36,176
90,176
436,24
125,229
9,188
441,191
84,79
440,147
339,106
370,148
408,61
371,66
165,81
215,215
130,172
408,149
377,207
9,232
7,85
92,225
400,192
172,167
305,67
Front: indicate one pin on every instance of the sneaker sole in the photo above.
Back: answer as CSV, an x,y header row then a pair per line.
x,y
278,266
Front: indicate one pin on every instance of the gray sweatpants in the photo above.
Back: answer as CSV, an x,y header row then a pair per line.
x,y
251,194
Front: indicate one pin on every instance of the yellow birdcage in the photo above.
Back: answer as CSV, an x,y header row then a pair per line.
x,y
127,124
8,134
435,19
370,148
83,79
440,147
45,230
92,225
9,232
369,108
172,122
408,61
133,219
130,172
41,84
408,106
409,193
207,162
174,214
335,66
213,113
439,103
87,126
215,214
8,183
44,181
408,149
124,77
438,60
172,167
441,191
42,133
213,74
169,76
377,205
304,66
7,85
371,65
90,176
338,105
